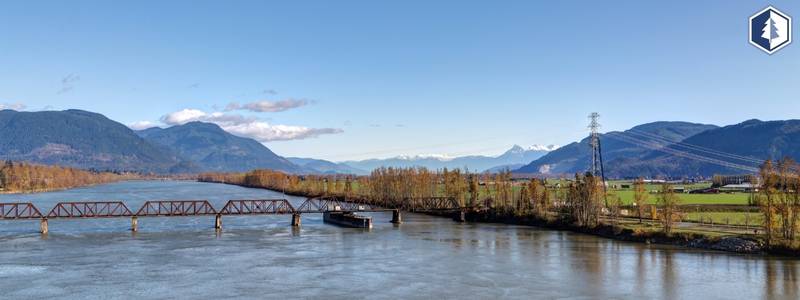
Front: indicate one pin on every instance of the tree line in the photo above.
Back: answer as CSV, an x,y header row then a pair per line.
x,y
779,200
582,201
26,177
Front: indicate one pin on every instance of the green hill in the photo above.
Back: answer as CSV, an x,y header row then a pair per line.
x,y
213,149
633,144
79,139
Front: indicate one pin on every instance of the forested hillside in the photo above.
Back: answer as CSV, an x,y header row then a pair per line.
x,y
78,139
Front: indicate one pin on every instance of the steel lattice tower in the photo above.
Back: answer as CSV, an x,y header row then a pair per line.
x,y
596,168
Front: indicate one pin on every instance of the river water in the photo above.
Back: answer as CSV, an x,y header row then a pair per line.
x,y
425,257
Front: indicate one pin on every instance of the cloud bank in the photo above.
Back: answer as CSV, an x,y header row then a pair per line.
x,y
268,106
246,126
13,106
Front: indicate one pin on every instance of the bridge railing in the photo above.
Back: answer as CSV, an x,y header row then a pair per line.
x,y
257,206
23,210
98,209
176,208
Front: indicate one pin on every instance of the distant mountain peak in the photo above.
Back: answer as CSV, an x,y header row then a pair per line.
x,y
548,148
513,158
516,149
439,157
214,149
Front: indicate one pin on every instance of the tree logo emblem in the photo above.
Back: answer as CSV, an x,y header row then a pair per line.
x,y
770,30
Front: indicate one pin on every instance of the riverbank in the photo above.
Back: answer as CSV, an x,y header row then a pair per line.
x,y
636,233
47,190
639,233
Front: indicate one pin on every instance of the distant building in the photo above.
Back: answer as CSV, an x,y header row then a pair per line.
x,y
654,181
723,180
705,191
742,187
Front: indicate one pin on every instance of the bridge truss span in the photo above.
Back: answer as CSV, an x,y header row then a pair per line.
x,y
321,205
24,210
99,209
257,207
176,208
431,204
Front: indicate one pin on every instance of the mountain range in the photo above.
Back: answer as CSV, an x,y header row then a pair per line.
x,y
576,157
89,140
733,149
511,159
678,149
325,167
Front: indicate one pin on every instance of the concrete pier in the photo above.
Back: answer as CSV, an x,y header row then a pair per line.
x,y
218,221
396,218
43,226
295,220
134,224
460,216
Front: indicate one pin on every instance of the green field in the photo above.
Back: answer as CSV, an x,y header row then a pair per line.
x,y
735,198
735,218
626,195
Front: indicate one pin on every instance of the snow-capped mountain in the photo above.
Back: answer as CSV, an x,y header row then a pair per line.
x,y
515,156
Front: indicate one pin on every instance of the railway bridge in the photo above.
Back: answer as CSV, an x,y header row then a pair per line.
x,y
188,208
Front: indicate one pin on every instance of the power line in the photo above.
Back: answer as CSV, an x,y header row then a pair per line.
x,y
658,147
696,147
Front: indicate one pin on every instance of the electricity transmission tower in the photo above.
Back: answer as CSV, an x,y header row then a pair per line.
x,y
596,169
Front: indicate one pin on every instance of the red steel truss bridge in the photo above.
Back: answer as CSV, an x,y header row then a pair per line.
x,y
187,208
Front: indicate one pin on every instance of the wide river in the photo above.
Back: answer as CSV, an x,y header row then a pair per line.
x,y
425,257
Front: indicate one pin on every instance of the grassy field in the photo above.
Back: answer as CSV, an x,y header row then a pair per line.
x,y
735,198
732,218
627,194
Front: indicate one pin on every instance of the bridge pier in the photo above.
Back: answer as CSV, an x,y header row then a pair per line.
x,y
134,224
43,226
460,216
396,218
218,221
296,220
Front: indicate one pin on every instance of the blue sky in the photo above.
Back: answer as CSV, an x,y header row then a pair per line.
x,y
362,79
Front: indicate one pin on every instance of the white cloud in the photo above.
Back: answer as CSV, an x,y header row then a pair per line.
x,y
142,125
247,126
13,106
183,116
268,106
264,132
